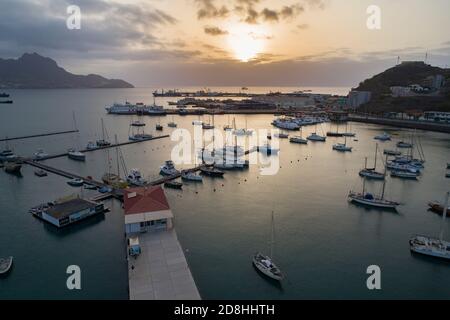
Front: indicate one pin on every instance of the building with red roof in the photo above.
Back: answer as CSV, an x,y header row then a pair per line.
x,y
146,209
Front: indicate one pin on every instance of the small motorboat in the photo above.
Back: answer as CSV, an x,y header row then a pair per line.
x,y
40,173
40,154
383,137
75,182
5,264
91,146
404,145
190,176
90,187
12,167
173,185
438,208
197,123
342,147
212,172
104,190
76,155
281,135
168,169
138,123
207,126
135,178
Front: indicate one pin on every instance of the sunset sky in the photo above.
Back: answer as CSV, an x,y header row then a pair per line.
x,y
228,42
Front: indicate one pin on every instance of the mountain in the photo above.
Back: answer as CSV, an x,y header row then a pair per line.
x,y
33,71
405,74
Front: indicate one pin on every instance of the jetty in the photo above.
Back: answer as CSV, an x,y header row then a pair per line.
x,y
39,135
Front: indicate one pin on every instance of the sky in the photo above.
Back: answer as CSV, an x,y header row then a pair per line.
x,y
164,43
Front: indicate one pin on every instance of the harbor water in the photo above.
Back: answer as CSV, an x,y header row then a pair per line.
x,y
322,243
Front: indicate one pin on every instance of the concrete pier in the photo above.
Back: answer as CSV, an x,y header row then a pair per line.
x,y
161,272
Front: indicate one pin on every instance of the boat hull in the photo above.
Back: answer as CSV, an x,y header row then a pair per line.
x,y
382,204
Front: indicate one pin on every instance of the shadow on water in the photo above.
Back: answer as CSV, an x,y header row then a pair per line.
x,y
272,282
71,229
429,259
377,210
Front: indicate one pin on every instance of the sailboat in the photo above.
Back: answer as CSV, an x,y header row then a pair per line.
x,y
347,133
111,178
315,137
207,126
264,263
158,126
371,173
73,153
433,247
299,139
228,127
137,132
103,142
370,200
342,147
242,132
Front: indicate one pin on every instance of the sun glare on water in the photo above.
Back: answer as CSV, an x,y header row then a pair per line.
x,y
246,43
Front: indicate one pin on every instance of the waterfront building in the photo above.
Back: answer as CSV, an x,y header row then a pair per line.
x,y
357,98
61,214
437,116
287,100
146,209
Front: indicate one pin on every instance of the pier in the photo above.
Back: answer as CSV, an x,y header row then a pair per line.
x,y
161,271
65,154
39,135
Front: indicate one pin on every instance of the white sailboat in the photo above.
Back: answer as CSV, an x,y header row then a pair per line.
x,y
371,173
103,142
368,199
264,263
430,246
342,147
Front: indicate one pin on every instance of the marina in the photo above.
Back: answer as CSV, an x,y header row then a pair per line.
x,y
243,199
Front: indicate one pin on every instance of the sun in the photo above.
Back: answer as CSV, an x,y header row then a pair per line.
x,y
246,42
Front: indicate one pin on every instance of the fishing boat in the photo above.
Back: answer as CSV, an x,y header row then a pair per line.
x,y
4,95
7,155
342,147
438,207
76,155
404,145
404,174
190,176
168,169
371,173
383,137
103,142
448,165
135,178
6,264
75,182
392,152
40,154
212,172
264,263
434,247
159,127
91,146
173,185
40,173
370,200
12,167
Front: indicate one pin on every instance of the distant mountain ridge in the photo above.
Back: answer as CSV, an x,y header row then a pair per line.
x,y
33,71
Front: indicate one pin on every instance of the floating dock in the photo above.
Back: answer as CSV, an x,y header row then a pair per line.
x,y
161,272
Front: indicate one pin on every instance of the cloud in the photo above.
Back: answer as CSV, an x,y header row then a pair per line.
x,y
215,31
303,26
208,9
270,15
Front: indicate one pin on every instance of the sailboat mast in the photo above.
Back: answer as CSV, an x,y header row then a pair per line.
x,y
376,152
384,180
272,236
117,155
444,216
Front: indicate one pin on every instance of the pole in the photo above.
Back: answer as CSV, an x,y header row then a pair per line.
x,y
384,181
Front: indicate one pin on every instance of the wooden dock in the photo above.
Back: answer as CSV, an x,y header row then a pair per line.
x,y
173,177
39,135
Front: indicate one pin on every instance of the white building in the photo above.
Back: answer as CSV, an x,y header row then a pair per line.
x,y
357,98
287,100
146,209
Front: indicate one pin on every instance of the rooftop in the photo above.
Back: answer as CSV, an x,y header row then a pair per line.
x,y
64,209
145,200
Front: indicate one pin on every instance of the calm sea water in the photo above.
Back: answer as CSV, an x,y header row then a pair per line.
x,y
323,243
